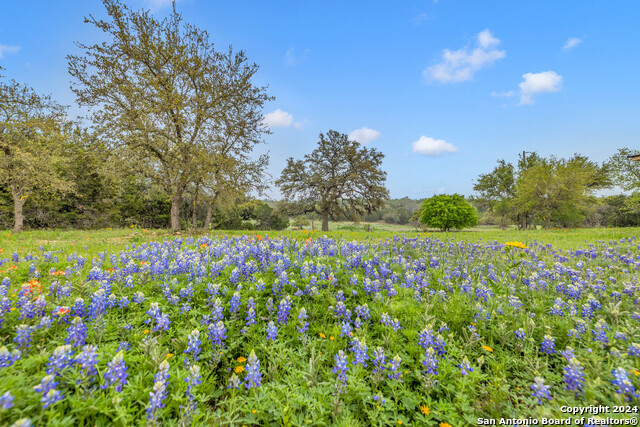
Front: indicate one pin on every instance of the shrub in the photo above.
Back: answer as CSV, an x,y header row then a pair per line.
x,y
448,211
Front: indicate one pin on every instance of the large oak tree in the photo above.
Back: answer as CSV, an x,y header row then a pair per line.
x,y
165,96
338,178
33,129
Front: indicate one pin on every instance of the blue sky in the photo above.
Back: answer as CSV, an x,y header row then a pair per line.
x,y
443,88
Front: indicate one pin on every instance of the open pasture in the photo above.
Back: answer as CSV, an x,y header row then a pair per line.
x,y
139,327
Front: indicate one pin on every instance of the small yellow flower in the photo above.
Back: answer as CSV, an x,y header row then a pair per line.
x,y
516,245
146,331
400,422
518,388
169,355
239,369
443,424
487,348
254,411
425,410
331,338
12,309
322,335
242,359
636,372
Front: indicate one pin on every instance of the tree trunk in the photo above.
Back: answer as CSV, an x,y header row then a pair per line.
x,y
207,220
325,221
176,200
194,217
18,218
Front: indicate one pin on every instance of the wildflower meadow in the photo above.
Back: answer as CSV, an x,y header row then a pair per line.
x,y
293,329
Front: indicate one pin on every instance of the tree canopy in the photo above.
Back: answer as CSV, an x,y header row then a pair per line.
x,y
338,178
447,211
168,100
33,129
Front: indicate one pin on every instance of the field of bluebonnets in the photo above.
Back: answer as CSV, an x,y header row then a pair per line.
x,y
300,328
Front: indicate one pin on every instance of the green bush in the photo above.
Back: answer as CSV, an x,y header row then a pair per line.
x,y
448,211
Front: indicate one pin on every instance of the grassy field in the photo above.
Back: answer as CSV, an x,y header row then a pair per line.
x,y
97,240
350,327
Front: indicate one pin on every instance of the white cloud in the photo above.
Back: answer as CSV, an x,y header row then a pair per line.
x,y
535,83
427,146
461,65
571,43
364,135
291,58
508,94
6,49
278,119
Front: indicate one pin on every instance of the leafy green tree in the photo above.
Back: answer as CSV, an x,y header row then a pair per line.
x,y
624,171
498,190
167,99
337,179
557,189
33,130
300,221
447,211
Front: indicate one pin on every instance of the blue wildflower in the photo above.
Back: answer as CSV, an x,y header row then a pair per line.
x,y
253,377
540,390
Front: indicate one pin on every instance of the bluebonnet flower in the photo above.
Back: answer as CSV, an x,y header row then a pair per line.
x,y
379,398
78,309
192,380
634,350
6,401
341,369
124,345
426,337
345,329
430,362
540,390
88,359
272,331
50,398
302,320
359,348
394,369
548,344
568,353
574,376
269,306
385,319
600,332
163,323
362,311
283,310
251,317
624,384
138,297
379,361
47,384
234,304
217,310
23,336
217,333
520,334
253,377
159,392
620,336
49,394
8,358
116,373
465,367
77,333
193,344
61,359
22,422
98,304
234,382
